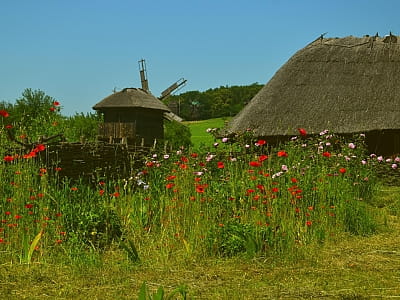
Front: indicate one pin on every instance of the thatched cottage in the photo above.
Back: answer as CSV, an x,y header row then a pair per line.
x,y
346,85
132,115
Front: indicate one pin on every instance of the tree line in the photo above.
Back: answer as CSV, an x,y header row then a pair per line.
x,y
218,102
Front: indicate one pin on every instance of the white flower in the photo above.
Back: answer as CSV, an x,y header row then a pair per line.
x,y
166,156
224,140
284,168
364,162
394,166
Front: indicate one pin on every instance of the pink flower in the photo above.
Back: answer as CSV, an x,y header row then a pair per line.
x,y
352,146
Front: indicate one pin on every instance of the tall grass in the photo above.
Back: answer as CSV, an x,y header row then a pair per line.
x,y
239,197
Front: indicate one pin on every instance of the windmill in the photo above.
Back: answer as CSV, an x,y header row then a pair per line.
x,y
176,86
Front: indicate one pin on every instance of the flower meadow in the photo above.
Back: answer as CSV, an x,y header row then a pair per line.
x,y
237,197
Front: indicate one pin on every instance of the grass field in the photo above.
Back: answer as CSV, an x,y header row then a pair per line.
x,y
198,130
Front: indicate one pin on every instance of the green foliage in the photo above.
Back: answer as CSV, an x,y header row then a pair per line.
x,y
82,126
160,294
177,134
213,103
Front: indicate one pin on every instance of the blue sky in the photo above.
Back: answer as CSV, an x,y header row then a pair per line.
x,y
78,51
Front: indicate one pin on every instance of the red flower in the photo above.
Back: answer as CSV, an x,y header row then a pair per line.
x,y
28,206
8,158
56,103
17,217
170,185
194,155
302,131
275,190
261,142
57,169
39,148
4,113
326,154
262,157
282,154
74,188
308,223
220,165
52,108
342,170
9,126
116,194
171,177
294,180
200,188
255,163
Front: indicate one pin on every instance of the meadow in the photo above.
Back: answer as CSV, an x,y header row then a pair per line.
x,y
230,218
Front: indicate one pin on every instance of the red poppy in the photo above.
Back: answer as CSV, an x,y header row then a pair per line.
x,y
250,191
116,194
17,217
101,192
52,108
302,131
57,169
4,113
194,155
255,163
9,126
200,188
170,185
275,190
342,170
220,165
260,187
326,154
308,223
171,177
39,148
282,154
294,180
8,158
184,159
74,188
262,157
261,142
56,103
29,205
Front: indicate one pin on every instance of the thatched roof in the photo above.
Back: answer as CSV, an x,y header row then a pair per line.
x,y
345,85
131,98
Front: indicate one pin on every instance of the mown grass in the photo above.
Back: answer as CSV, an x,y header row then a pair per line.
x,y
198,130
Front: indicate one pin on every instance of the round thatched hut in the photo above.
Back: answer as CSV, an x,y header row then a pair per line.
x,y
346,85
133,115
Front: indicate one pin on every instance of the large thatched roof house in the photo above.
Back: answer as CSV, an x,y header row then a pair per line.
x,y
132,114
347,85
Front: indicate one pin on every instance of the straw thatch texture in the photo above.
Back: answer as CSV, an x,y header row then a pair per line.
x,y
131,98
345,85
